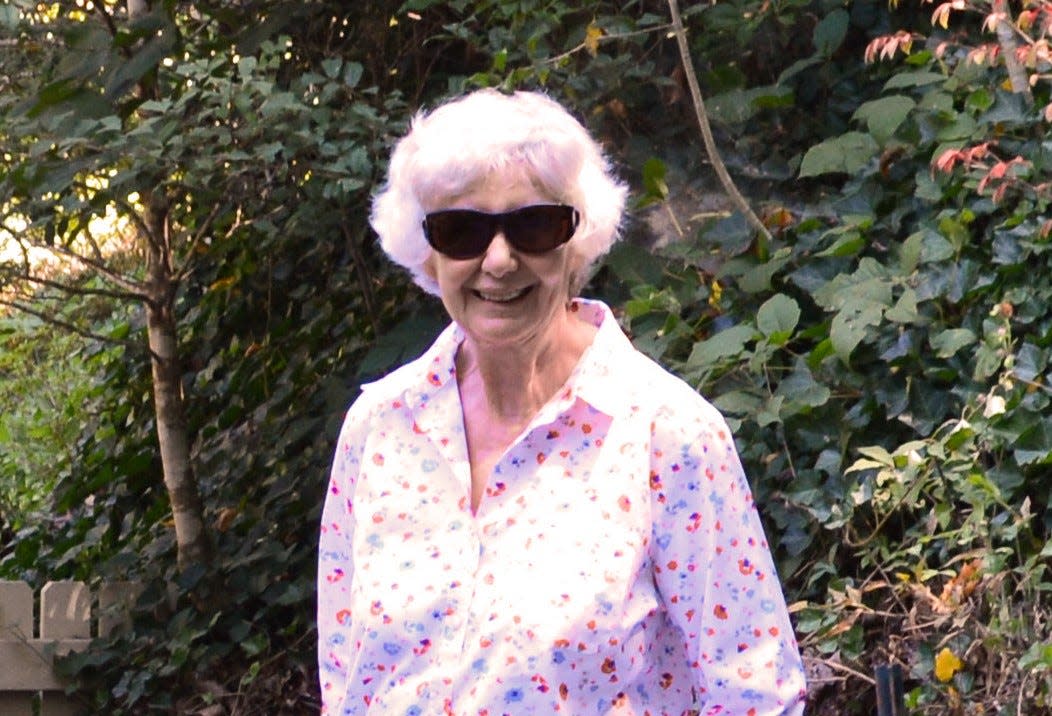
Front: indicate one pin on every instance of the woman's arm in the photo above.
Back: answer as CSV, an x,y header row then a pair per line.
x,y
335,561
715,574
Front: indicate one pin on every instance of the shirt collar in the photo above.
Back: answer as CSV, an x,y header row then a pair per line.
x,y
600,377
597,379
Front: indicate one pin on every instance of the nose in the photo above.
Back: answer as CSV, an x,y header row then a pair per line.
x,y
500,258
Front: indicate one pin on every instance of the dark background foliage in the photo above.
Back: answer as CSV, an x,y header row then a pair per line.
x,y
882,354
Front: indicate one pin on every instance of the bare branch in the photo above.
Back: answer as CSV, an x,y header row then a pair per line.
x,y
199,236
555,60
706,129
130,286
67,326
83,291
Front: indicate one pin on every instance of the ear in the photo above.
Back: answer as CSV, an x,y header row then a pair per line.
x,y
577,274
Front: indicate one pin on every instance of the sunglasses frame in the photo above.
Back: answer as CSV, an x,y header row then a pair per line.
x,y
498,222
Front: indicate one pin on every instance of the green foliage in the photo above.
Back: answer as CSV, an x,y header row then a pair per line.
x,y
885,363
884,359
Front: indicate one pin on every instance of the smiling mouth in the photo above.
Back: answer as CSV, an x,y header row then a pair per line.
x,y
501,296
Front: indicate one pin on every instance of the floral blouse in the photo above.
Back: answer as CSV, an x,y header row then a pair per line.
x,y
615,565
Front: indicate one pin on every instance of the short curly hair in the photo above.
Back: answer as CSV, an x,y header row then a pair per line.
x,y
459,144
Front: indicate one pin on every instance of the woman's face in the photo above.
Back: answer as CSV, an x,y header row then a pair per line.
x,y
504,298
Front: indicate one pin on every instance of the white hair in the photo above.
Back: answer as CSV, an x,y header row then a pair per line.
x,y
464,141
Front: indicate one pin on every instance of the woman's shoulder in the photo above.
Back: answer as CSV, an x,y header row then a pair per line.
x,y
661,389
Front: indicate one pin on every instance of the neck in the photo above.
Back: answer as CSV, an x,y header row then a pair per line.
x,y
512,383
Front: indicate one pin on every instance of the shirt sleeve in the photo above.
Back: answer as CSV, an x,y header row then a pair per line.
x,y
715,574
335,562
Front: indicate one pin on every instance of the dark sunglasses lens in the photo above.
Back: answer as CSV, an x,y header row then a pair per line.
x,y
536,229
459,234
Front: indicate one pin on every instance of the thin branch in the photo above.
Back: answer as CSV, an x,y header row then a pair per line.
x,y
132,287
604,39
78,291
706,129
837,666
66,325
199,235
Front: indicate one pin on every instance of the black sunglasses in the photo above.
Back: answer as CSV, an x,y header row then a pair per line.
x,y
466,234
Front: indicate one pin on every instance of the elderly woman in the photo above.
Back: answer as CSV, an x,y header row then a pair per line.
x,y
533,517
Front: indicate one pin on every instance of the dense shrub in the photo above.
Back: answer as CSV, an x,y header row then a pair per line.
x,y
883,354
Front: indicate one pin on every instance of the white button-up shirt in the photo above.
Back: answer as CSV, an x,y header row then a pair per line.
x,y
615,565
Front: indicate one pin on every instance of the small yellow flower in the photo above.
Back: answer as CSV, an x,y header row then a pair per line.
x,y
715,294
946,665
591,39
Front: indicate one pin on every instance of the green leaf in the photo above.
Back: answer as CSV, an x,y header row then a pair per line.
x,y
848,244
830,32
948,342
758,278
905,80
847,154
955,231
1037,658
883,116
738,402
727,343
352,74
849,327
878,454
905,309
1034,444
738,105
771,411
798,67
146,59
801,388
778,317
654,179
634,264
731,233
988,361
910,253
980,100
331,67
962,127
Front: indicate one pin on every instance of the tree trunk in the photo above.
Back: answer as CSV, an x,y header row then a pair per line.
x,y
192,539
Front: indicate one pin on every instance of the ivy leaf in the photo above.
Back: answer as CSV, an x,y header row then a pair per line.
x,y
948,342
849,327
883,116
801,388
654,179
725,344
778,317
905,309
1034,444
1039,656
829,34
913,79
847,154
